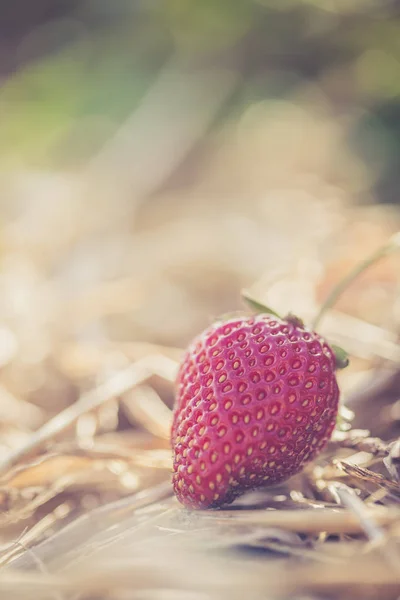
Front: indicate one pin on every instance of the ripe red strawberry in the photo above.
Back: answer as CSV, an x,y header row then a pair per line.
x,y
257,398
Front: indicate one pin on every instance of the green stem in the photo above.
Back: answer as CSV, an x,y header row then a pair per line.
x,y
391,246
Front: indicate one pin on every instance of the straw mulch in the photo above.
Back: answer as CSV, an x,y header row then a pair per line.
x,y
95,317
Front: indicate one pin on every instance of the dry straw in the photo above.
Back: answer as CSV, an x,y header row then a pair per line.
x,y
88,511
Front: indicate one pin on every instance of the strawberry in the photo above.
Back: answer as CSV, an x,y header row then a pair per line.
x,y
257,399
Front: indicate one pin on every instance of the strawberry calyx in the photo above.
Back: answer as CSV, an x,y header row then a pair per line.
x,y
294,320
341,356
258,307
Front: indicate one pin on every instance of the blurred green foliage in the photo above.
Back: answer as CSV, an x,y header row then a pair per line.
x,y
78,69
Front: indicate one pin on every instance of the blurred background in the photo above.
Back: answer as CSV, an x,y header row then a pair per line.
x,y
157,157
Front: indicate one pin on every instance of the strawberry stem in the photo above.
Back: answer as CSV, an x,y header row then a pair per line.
x,y
258,307
391,246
